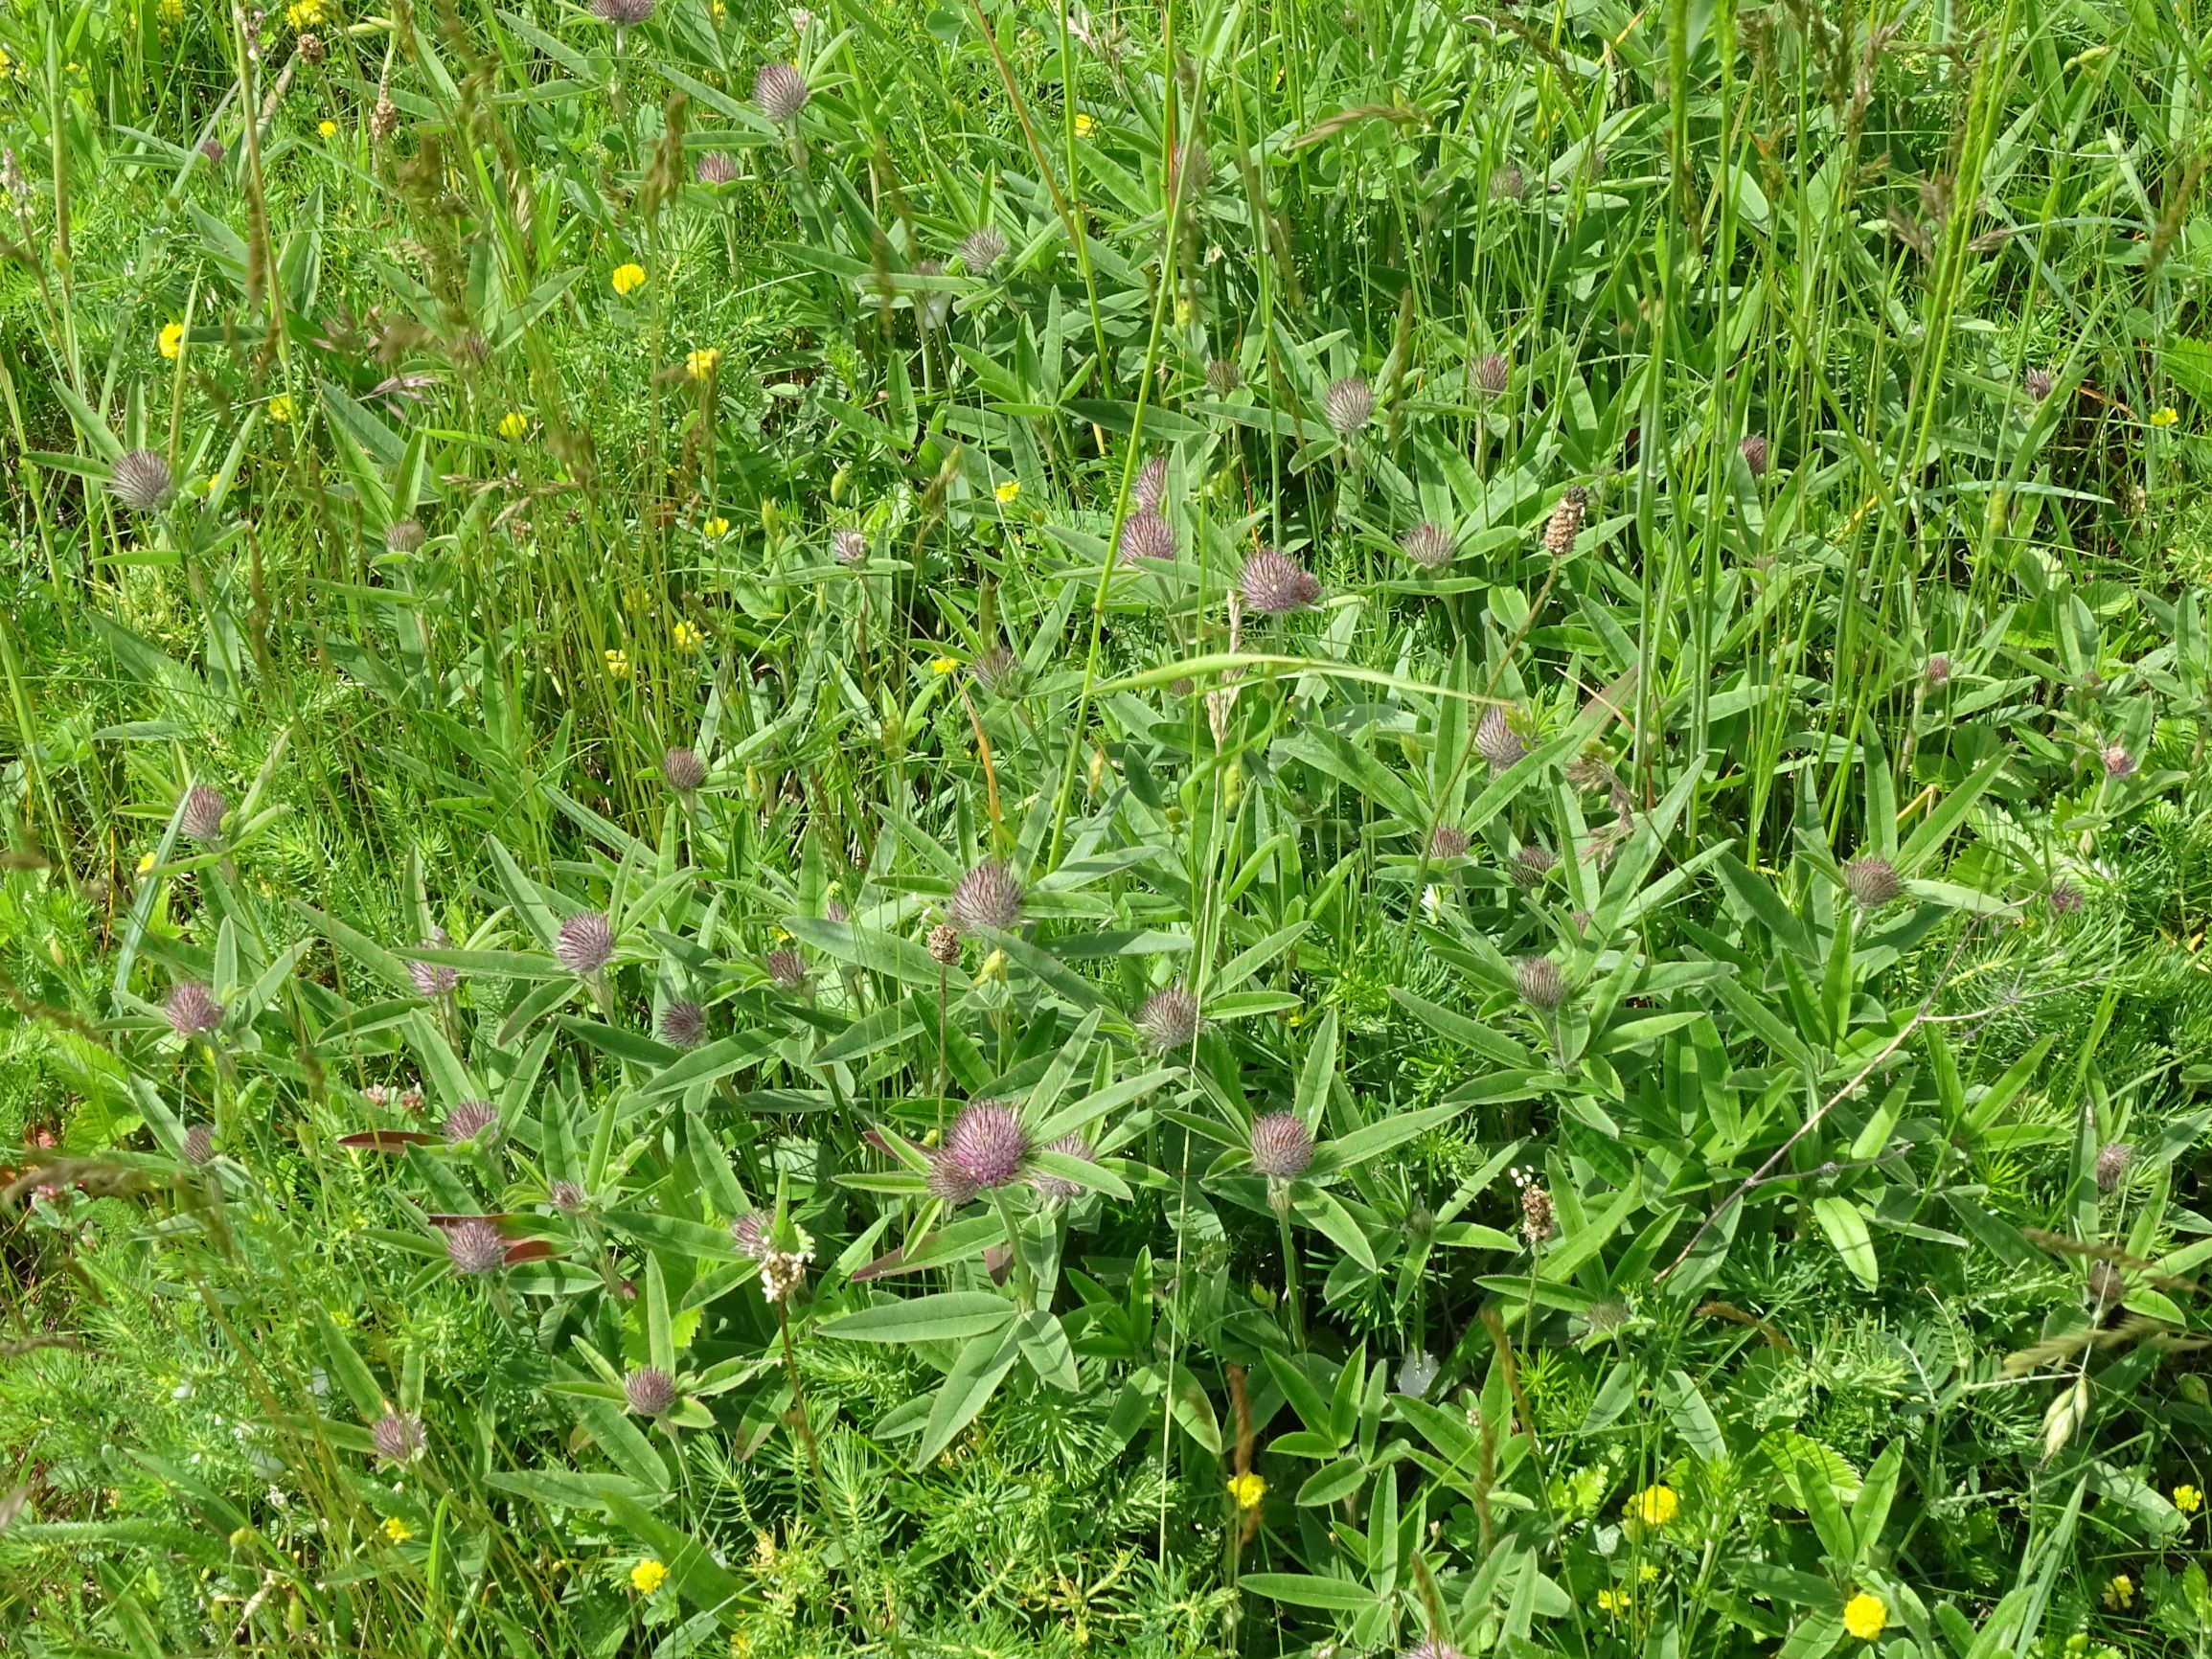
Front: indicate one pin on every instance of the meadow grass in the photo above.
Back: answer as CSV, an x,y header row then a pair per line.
x,y
1251,827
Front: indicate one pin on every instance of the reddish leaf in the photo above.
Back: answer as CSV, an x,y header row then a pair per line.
x,y
386,1140
528,1250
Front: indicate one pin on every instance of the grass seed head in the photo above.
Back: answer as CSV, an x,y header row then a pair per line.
x,y
1565,522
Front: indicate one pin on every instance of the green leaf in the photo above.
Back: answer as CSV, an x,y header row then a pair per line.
x,y
1846,1229
1306,1590
950,1316
974,1377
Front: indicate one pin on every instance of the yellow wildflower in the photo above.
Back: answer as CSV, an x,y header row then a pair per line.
x,y
943,665
1084,127
1653,1506
282,408
398,1530
2119,1591
1865,1616
173,340
146,865
687,637
1247,1489
647,1576
7,66
1648,1572
305,14
327,129
1613,1602
715,528
1010,490
2188,1499
701,365
171,13
618,664
2166,417
513,424
628,278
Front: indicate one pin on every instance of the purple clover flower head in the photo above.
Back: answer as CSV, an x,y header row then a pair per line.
x,y
683,1025
987,896
433,980
1147,536
623,13
1429,544
2113,1161
1937,670
1490,375
1495,741
682,770
1755,453
1540,983
141,480
1168,1020
788,968
749,1232
717,167
1222,375
848,546
199,1145
1434,1648
987,1143
981,249
398,1437
471,1121
566,1196
193,1010
2117,762
202,817
1073,1146
1276,584
649,1391
782,92
2038,383
1446,841
2065,898
585,944
404,536
1873,881
1282,1145
948,1183
474,1247
1531,865
1152,484
1349,405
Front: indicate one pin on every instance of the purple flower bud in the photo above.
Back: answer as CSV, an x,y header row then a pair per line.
x,y
202,817
683,1025
192,1011
987,896
397,1436
474,1247
988,1144
1282,1147
649,1391
584,943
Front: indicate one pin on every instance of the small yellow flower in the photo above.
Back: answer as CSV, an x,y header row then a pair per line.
x,y
1010,490
173,340
7,66
943,665
2188,1499
514,424
1247,1489
146,865
1653,1506
1084,127
715,529
628,278
687,637
2119,1591
701,365
2166,417
282,408
172,12
647,1576
1613,1602
618,664
1865,1616
306,14
1648,1572
398,1530
327,129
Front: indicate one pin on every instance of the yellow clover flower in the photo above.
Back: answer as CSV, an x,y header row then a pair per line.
x,y
1084,127
1010,490
687,637
618,664
173,340
2166,417
7,66
2188,1499
628,278
146,865
171,13
282,408
701,365
327,129
647,1576
1653,1506
1247,1489
943,665
715,528
2119,1591
398,1530
514,424
1865,1616
1613,1602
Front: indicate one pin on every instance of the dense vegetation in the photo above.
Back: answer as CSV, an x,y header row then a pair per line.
x,y
1253,826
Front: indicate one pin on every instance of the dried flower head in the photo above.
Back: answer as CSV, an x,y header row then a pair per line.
x,y
1282,1145
2038,383
584,943
193,1010
1873,881
1222,375
1531,865
784,1271
141,480
717,167
944,945
1540,983
786,967
398,1437
981,250
848,546
1146,536
311,47
404,536
2108,1284
1448,841
212,151
2117,762
566,1196
781,91
987,1143
200,1145
474,1247
1169,1018
1072,1145
1937,670
1507,183
1495,741
1276,584
1755,453
2112,1161
471,1121
1490,375
1565,522
1429,544
1536,1214
683,1025
433,980
682,770
623,13
1349,405
1150,488
987,896
749,1232
649,1391
2064,898
383,119
202,818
